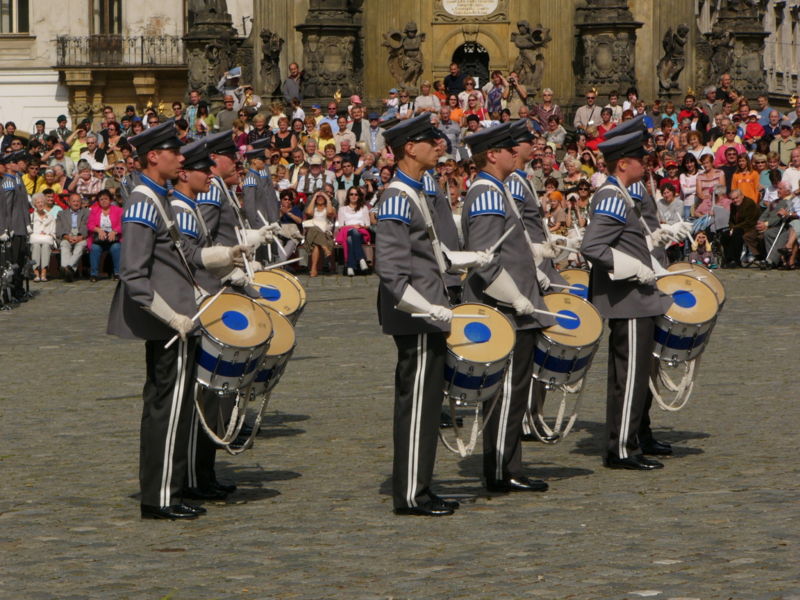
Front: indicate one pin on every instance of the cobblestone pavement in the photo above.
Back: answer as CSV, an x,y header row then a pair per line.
x,y
312,517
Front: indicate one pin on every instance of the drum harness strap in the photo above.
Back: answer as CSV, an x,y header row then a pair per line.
x,y
199,217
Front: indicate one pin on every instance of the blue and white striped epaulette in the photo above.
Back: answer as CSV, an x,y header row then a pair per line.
x,y
187,224
636,190
429,183
395,208
489,202
250,181
264,173
9,183
141,212
614,207
212,196
515,186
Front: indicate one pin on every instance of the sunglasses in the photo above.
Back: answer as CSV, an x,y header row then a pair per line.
x,y
337,162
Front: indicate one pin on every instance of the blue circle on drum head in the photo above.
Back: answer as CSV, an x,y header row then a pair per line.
x,y
684,298
270,293
568,323
477,333
581,291
235,320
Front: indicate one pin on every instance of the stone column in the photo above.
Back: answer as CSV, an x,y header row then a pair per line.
x,y
743,21
606,47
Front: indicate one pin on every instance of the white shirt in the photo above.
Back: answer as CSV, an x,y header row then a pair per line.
x,y
792,175
349,217
669,213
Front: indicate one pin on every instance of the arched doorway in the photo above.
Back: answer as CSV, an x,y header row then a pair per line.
x,y
473,59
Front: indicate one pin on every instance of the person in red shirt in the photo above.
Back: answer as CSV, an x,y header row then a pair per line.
x,y
753,131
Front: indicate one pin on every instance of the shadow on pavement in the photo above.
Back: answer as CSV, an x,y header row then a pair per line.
x,y
595,443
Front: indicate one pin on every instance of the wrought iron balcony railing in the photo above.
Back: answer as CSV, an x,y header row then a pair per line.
x,y
120,51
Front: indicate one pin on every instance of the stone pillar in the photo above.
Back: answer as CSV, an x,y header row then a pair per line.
x,y
332,49
606,47
79,82
743,21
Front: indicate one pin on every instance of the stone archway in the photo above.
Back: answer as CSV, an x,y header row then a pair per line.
x,y
473,59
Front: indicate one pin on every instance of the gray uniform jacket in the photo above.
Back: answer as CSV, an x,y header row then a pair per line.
x,y
130,181
259,196
149,264
7,193
219,215
770,214
613,224
405,256
647,205
195,240
19,209
443,218
533,217
64,223
486,216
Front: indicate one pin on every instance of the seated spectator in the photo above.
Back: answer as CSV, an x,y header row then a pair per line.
x,y
391,103
85,183
555,134
474,108
554,208
701,251
769,226
284,140
351,231
573,176
320,216
71,233
316,178
741,229
347,152
456,112
260,130
43,236
291,222
426,101
325,137
405,109
745,178
204,122
469,90
753,130
343,134
729,139
276,113
105,233
31,179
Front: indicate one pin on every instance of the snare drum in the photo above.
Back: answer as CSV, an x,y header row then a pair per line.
x,y
564,351
278,354
477,353
303,295
703,274
235,334
281,293
681,334
577,278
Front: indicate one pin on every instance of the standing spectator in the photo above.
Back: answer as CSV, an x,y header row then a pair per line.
x,y
542,112
259,131
440,92
555,134
71,232
405,109
203,123
454,82
62,132
343,133
31,178
746,179
105,232
772,128
9,135
696,147
469,91
730,167
293,85
451,129
474,108
496,92
588,114
784,144
729,141
517,96
284,140
43,235
707,182
615,108
332,118
710,105
359,126
725,91
226,116
753,130
191,109
688,184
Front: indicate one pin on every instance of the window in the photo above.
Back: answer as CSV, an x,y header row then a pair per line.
x,y
13,16
106,17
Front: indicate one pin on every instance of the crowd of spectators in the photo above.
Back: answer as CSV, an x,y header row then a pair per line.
x,y
729,164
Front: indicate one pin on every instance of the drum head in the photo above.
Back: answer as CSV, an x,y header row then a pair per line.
x,y
577,278
703,274
236,320
283,337
296,282
570,332
280,293
484,340
693,302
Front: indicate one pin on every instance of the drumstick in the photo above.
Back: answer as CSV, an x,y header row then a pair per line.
x,y
565,247
266,223
684,272
427,316
564,287
546,312
497,244
174,338
240,235
280,264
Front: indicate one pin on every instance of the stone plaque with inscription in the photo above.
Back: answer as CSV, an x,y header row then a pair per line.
x,y
473,11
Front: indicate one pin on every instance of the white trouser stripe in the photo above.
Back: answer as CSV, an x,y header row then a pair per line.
x,y
192,475
627,399
172,426
416,412
502,425
527,424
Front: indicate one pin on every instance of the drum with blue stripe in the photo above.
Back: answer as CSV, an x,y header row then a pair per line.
x,y
579,279
564,351
281,291
478,352
236,334
280,350
705,275
682,334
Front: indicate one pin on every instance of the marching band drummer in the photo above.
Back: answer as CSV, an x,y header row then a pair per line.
x,y
154,299
544,252
623,289
259,197
410,263
509,281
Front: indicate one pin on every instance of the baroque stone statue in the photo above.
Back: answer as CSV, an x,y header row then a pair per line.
x,y
271,46
674,60
405,55
530,63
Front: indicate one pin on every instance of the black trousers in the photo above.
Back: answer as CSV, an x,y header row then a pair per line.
x,y
19,256
202,450
419,385
536,393
166,420
630,360
502,435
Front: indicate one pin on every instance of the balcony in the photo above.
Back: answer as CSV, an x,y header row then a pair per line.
x,y
120,51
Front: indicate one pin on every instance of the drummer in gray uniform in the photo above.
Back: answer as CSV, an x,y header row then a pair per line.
x,y
411,264
623,289
510,284
154,299
19,219
544,251
261,195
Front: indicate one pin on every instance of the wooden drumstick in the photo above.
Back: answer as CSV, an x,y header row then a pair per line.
x,y
280,264
684,272
428,315
240,235
564,287
498,243
175,337
546,312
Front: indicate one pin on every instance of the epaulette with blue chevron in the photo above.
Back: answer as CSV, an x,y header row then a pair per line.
x,y
489,202
187,224
212,196
614,207
142,212
395,207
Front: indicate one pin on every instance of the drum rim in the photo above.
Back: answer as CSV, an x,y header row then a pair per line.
x,y
288,320
477,362
702,284
693,266
296,281
301,303
499,313
206,332
588,303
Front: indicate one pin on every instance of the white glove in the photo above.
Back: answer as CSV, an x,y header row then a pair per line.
x,y
658,270
253,238
221,257
236,277
661,237
163,311
522,306
627,267
255,266
505,290
413,302
680,231
466,260
4,236
30,229
544,280
547,249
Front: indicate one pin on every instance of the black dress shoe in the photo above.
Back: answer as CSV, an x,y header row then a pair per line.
x,y
448,503
656,448
431,508
545,439
193,508
176,511
208,492
636,463
228,488
520,483
69,274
